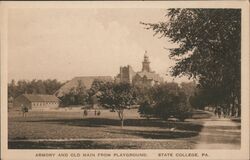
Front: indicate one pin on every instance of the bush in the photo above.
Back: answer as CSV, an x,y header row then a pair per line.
x,y
146,110
165,101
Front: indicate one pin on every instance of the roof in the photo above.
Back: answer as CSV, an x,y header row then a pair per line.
x,y
85,81
41,98
150,75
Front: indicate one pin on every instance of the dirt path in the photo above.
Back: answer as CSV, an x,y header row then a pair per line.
x,y
219,133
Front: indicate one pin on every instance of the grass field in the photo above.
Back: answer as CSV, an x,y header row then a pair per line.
x,y
71,130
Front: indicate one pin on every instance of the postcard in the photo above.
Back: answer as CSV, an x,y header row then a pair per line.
x,y
141,80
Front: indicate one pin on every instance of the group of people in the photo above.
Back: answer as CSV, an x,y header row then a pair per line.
x,y
85,113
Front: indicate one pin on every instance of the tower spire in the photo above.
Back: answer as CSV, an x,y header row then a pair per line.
x,y
145,63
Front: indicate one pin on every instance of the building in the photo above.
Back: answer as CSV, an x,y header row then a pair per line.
x,y
85,81
146,77
126,74
37,101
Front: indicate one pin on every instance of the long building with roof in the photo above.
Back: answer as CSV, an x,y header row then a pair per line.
x,y
36,101
85,81
145,77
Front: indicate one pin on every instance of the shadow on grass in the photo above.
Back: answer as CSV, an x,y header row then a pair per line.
x,y
200,114
66,145
156,134
238,120
102,122
223,127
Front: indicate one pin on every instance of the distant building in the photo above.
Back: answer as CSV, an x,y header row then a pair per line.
x,y
126,74
85,81
146,77
37,101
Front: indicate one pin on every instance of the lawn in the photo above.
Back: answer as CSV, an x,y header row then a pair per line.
x,y
100,132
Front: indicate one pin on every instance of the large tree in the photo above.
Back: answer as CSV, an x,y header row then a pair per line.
x,y
117,96
166,100
209,48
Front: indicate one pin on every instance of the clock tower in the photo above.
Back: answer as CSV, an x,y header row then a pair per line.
x,y
145,63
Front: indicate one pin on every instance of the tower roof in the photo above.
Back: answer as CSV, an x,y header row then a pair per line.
x,y
146,57
146,54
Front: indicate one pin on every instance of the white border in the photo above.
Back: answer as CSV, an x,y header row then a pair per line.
x,y
241,154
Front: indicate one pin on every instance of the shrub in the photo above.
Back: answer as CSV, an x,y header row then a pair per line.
x,y
165,101
146,110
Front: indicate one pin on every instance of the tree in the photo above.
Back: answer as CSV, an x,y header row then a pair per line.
x,y
81,94
171,101
33,87
146,109
164,101
51,86
95,88
117,96
68,98
198,101
12,89
76,96
209,47
189,88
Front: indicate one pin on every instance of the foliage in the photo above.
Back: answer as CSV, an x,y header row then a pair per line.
x,y
117,96
95,87
33,87
164,101
197,101
173,102
189,88
77,96
205,97
209,45
146,109
93,91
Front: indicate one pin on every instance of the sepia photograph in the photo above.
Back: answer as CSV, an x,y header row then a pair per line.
x,y
126,78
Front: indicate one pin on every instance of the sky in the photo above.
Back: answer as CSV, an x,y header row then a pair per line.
x,y
64,43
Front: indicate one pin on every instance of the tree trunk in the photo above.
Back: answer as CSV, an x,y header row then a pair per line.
x,y
120,114
239,111
122,123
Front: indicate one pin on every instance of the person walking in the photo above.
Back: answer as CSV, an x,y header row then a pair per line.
x,y
24,110
224,112
219,111
215,111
